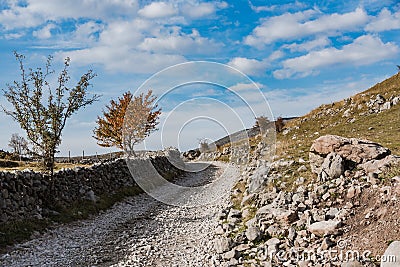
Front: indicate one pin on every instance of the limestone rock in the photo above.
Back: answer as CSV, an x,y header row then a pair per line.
x,y
248,199
377,166
302,168
316,162
333,166
386,106
230,254
396,100
350,149
252,233
391,257
282,215
222,244
258,179
324,227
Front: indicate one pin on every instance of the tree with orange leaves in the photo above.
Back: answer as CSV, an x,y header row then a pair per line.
x,y
127,121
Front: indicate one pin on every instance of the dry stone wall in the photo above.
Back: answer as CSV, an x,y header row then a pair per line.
x,y
28,194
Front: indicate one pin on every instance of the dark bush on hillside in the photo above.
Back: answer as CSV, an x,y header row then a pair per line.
x,y
279,124
11,156
6,155
8,164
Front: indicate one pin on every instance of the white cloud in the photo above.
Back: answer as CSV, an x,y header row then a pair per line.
x,y
45,32
364,50
385,21
85,32
37,12
276,55
198,10
249,66
10,36
246,86
176,41
282,7
278,27
18,17
157,10
120,33
116,27
123,59
140,46
295,25
310,45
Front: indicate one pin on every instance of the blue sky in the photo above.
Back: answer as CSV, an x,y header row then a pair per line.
x,y
299,53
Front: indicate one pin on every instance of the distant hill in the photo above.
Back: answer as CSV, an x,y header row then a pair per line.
x,y
242,134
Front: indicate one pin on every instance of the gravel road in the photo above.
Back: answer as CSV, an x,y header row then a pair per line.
x,y
137,232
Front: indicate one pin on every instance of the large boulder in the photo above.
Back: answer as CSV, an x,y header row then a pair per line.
x,y
380,165
332,167
331,155
351,149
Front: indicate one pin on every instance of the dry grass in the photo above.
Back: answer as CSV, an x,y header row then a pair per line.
x,y
35,166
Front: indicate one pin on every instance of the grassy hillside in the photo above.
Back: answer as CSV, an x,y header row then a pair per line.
x,y
383,127
352,118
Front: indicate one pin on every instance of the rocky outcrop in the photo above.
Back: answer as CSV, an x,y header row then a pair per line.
x,y
350,149
379,103
331,155
29,194
272,226
191,154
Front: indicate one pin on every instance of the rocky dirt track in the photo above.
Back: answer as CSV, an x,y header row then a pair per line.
x,y
137,232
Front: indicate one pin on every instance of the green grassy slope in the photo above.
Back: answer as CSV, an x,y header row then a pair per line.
x,y
383,127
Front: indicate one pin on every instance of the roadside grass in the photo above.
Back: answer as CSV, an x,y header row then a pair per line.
x,y
236,199
6,165
386,177
19,231
83,209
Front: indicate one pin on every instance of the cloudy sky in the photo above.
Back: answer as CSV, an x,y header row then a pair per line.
x,y
300,54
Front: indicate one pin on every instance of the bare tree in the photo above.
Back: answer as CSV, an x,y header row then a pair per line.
x,y
42,111
262,122
279,124
204,146
19,145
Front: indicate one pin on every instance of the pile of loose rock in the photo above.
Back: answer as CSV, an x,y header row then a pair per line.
x,y
379,103
275,227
